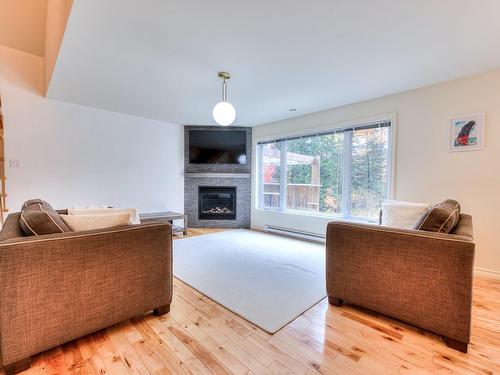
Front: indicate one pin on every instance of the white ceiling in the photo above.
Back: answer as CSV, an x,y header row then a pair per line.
x,y
159,58
22,25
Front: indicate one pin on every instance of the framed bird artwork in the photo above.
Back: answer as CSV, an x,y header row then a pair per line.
x,y
467,133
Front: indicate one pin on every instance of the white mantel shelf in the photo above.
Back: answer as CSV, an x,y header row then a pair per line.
x,y
218,175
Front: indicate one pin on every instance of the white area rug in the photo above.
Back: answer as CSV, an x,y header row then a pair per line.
x,y
266,279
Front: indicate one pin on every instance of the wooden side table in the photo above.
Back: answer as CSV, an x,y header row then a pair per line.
x,y
169,217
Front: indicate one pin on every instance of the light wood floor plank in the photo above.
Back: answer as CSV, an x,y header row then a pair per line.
x,y
199,350
194,365
171,362
118,336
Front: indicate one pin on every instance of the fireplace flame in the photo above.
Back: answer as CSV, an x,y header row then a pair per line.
x,y
218,210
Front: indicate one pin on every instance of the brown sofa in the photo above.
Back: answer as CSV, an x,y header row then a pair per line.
x,y
422,278
56,288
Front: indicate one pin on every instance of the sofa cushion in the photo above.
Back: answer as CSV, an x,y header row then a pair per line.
x,y
103,210
441,218
99,221
11,228
399,214
39,218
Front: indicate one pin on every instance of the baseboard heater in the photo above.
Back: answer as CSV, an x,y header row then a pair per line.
x,y
295,233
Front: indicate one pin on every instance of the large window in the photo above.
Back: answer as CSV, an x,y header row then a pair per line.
x,y
343,172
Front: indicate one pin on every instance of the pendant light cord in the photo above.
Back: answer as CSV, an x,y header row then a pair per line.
x,y
224,90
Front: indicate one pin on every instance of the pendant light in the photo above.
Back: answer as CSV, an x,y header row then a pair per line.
x,y
224,112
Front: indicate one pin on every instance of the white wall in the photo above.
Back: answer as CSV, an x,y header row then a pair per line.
x,y
57,17
75,155
425,170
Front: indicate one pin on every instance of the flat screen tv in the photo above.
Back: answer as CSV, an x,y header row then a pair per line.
x,y
217,147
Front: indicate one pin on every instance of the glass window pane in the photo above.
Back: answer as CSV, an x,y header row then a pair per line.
x,y
369,171
271,169
314,174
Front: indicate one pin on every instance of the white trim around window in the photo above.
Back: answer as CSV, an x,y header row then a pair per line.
x,y
339,127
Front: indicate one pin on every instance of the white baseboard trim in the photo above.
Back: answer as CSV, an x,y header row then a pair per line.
x,y
484,272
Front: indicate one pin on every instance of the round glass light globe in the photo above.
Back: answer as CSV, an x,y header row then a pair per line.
x,y
224,113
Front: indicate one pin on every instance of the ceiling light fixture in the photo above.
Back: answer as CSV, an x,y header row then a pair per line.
x,y
224,112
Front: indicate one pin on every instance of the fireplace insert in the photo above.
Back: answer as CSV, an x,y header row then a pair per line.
x,y
216,203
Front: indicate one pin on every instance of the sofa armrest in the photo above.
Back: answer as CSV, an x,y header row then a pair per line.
x,y
419,277
11,228
58,287
73,235
333,225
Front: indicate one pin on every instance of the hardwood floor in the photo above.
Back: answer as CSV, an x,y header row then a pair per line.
x,y
199,336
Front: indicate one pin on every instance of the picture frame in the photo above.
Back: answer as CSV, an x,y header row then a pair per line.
x,y
466,133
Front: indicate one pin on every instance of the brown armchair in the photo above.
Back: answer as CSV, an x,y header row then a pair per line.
x,y
422,278
56,288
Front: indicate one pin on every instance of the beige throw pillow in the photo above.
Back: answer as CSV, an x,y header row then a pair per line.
x,y
93,211
399,214
90,222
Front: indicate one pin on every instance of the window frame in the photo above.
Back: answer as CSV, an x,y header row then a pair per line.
x,y
347,165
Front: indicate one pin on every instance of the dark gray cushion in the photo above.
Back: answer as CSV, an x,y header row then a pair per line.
x,y
38,217
29,202
441,218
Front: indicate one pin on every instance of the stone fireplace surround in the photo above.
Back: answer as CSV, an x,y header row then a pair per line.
x,y
220,175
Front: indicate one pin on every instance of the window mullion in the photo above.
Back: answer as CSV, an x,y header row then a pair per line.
x,y
346,174
260,176
390,162
283,174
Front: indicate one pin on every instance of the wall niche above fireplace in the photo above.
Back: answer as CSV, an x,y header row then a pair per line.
x,y
217,195
217,149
